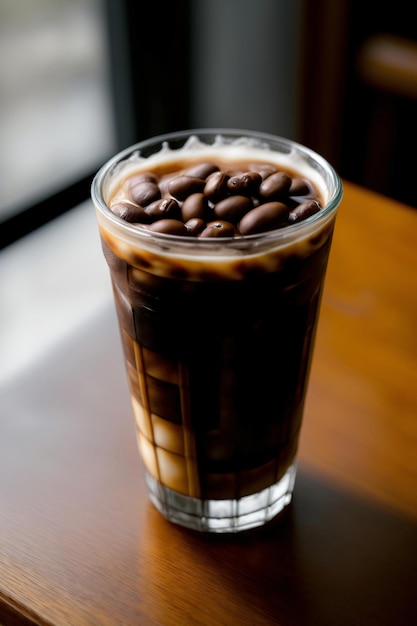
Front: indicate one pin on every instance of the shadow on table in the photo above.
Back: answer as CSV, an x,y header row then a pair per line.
x,y
332,559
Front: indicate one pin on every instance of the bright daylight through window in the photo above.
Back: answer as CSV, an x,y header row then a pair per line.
x,y
55,105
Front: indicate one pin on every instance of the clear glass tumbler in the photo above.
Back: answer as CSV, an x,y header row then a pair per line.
x,y
218,332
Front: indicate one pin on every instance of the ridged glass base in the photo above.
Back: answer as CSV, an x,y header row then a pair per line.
x,y
223,516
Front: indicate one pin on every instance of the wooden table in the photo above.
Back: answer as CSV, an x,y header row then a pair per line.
x,y
80,544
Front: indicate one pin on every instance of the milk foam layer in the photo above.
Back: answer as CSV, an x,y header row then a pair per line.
x,y
222,152
172,256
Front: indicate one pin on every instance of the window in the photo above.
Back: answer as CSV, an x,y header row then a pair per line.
x,y
82,79
56,108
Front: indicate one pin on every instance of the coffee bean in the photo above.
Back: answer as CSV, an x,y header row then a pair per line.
x,y
202,170
246,184
299,187
143,177
210,202
195,205
263,169
183,186
195,226
265,217
216,186
233,208
219,228
303,211
143,193
130,212
163,208
169,227
275,186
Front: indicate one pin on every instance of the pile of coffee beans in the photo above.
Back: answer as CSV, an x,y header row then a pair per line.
x,y
206,201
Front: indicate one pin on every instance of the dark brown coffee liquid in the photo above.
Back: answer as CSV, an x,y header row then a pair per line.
x,y
218,371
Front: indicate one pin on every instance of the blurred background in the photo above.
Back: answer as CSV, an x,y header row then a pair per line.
x,y
82,79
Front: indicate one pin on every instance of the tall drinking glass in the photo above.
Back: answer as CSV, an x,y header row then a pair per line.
x,y
217,242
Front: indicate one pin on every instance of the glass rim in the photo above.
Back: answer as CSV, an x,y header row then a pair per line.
x,y
235,133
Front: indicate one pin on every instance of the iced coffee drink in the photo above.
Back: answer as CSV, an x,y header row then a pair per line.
x,y
217,244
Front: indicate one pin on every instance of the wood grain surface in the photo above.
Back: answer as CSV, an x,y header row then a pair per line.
x,y
80,544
